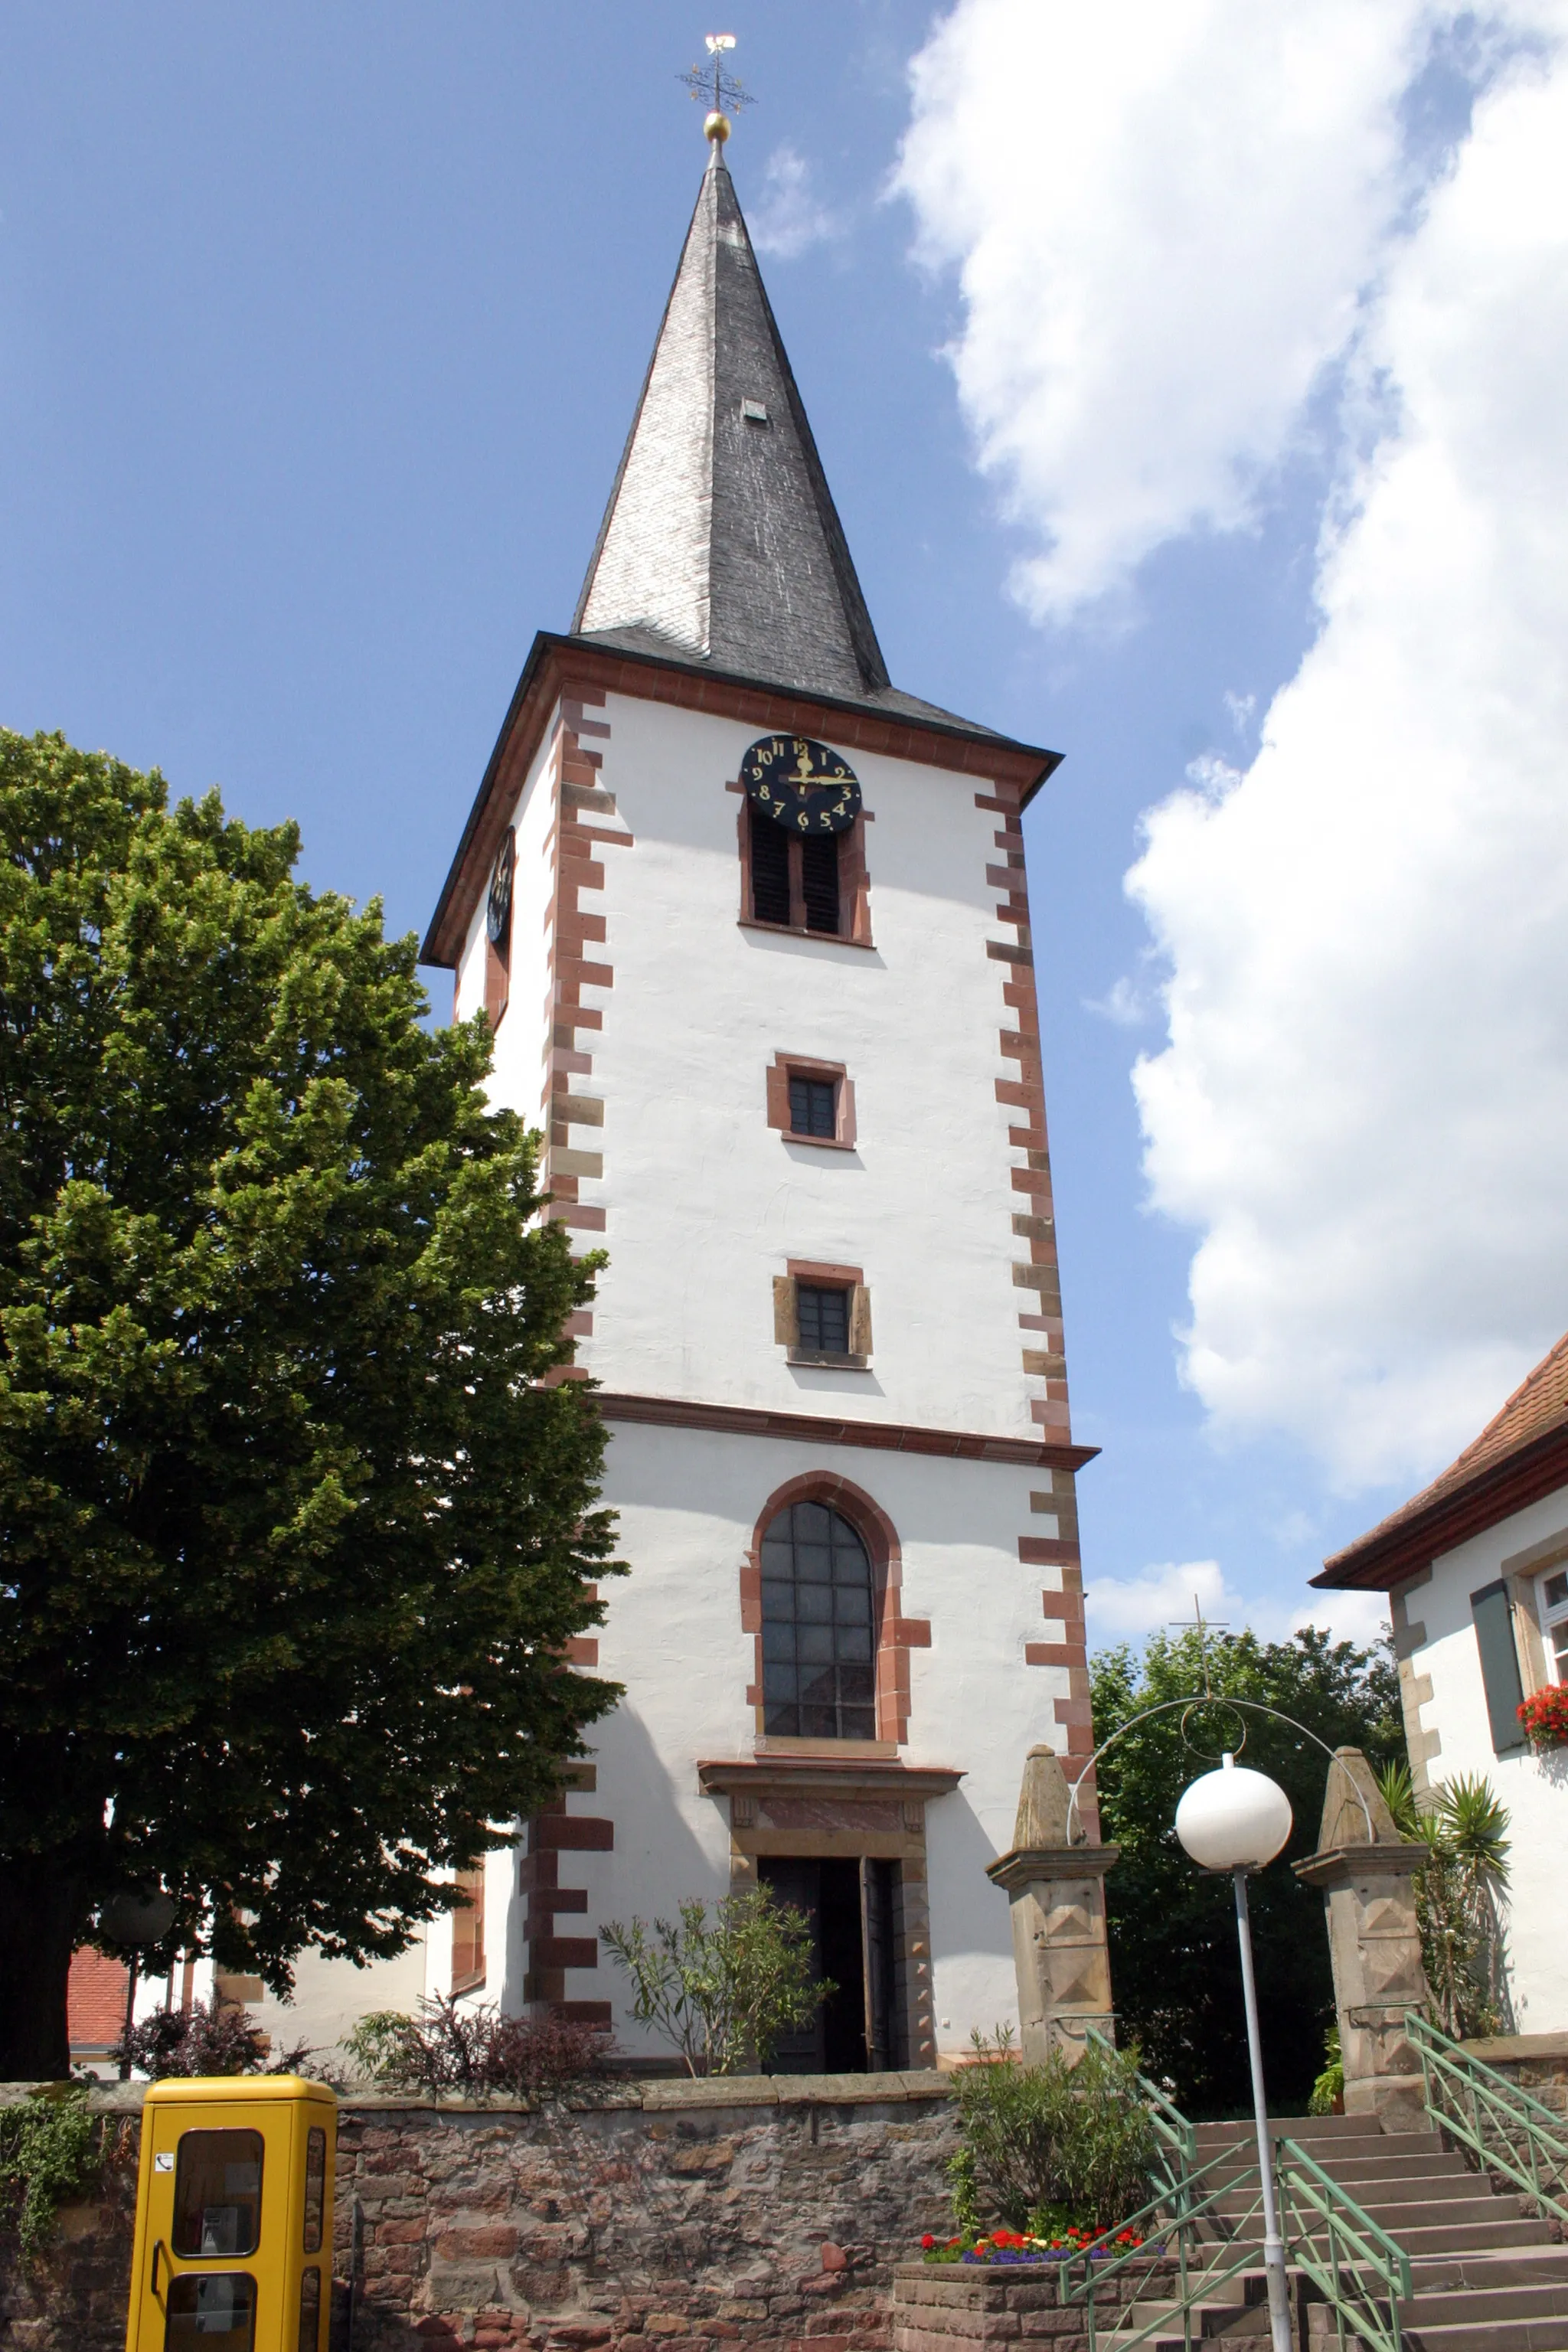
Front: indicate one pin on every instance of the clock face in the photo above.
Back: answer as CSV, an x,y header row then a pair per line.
x,y
498,907
802,785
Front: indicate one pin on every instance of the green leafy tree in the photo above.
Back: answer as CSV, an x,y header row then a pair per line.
x,y
722,1992
294,1529
1176,1971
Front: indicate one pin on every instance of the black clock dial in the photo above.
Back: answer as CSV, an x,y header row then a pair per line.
x,y
498,907
802,785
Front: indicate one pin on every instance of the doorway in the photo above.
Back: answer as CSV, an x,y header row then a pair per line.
x,y
852,1906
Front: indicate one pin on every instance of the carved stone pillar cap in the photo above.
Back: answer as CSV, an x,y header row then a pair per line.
x,y
1026,1864
1342,1863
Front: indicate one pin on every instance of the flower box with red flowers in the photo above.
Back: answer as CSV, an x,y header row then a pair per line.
x,y
1545,1716
1008,2246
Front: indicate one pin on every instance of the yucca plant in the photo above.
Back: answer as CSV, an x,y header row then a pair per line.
x,y
1458,1889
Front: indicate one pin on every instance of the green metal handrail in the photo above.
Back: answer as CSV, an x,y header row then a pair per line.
x,y
1169,2223
1347,2255
1509,2131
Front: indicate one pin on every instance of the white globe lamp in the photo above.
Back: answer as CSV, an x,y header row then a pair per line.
x,y
1233,1819
1238,1819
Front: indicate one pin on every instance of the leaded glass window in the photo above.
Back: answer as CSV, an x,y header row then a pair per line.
x,y
818,1633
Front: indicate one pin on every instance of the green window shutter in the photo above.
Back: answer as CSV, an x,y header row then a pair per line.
x,y
1493,1614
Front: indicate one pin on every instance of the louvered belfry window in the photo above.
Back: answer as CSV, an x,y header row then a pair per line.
x,y
818,1631
769,870
819,881
788,874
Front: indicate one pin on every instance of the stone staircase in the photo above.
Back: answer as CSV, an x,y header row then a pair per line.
x,y
1486,2273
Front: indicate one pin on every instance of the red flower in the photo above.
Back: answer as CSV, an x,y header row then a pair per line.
x,y
928,2241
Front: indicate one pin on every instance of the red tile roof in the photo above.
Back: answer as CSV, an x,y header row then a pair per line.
x,y
1519,1456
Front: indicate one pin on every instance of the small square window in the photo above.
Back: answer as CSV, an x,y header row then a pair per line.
x,y
1555,1590
813,1106
823,1318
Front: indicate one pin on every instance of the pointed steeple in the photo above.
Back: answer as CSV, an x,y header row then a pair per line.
x,y
720,542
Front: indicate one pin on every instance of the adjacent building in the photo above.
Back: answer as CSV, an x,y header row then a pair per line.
x,y
1476,1570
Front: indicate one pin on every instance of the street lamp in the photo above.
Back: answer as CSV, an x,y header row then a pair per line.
x,y
1238,1819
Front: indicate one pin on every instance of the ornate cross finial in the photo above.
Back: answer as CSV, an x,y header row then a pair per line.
x,y
711,85
1203,1626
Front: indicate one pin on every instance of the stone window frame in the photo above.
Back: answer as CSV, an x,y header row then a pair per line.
x,y
896,1635
786,1313
785,1067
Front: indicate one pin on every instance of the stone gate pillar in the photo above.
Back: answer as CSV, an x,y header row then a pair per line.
x,y
1057,1892
1374,1943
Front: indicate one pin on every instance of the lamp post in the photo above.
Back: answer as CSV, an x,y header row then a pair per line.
x,y
133,1922
1238,1819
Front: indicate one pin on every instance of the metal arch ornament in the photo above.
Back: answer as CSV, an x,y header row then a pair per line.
x,y
1242,1706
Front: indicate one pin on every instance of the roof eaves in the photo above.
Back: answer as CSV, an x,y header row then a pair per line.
x,y
1400,1547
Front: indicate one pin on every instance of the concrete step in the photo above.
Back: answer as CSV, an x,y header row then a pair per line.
x,y
1471,2237
1438,2274
1475,2303
1488,2336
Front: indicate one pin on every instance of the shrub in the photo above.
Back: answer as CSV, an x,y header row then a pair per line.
x,y
50,2148
472,2052
1045,2145
722,1995
208,2037
1329,2090
1459,1891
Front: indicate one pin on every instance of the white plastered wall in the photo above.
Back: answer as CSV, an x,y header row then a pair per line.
x,y
689,1502
1534,1787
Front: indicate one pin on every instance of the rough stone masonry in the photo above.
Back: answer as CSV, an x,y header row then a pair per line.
x,y
671,2217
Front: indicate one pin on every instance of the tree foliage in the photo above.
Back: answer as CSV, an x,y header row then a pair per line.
x,y
295,1532
1175,1970
722,1992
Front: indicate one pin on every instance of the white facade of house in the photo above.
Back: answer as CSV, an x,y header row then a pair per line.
x,y
1450,1731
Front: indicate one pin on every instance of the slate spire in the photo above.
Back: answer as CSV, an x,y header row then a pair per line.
x,y
720,542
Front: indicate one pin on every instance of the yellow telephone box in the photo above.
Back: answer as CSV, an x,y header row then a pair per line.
x,y
233,2216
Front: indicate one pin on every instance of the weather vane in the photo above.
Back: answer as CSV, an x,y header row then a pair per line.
x,y
710,84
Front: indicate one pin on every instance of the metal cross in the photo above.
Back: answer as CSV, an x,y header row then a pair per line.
x,y
710,84
1204,1626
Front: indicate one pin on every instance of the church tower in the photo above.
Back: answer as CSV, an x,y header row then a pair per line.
x,y
752,928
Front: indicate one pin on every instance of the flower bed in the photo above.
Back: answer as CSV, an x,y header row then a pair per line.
x,y
1545,1716
1009,2246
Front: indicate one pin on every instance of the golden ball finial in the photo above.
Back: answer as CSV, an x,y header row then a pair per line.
x,y
717,128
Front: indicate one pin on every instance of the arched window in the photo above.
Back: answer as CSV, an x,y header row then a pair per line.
x,y
818,1632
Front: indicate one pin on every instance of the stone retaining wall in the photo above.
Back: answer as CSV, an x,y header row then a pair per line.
x,y
670,2217
1537,2063
951,2308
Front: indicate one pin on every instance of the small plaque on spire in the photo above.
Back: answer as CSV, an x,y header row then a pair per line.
x,y
712,87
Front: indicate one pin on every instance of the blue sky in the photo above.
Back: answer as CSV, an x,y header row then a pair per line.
x,y
320,331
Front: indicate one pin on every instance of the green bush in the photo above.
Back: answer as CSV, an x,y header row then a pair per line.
x,y
724,1994
1045,2145
1329,2090
49,2149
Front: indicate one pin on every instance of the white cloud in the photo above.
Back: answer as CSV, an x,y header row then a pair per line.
x,y
1364,1104
789,219
1130,1608
1176,224
1164,216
